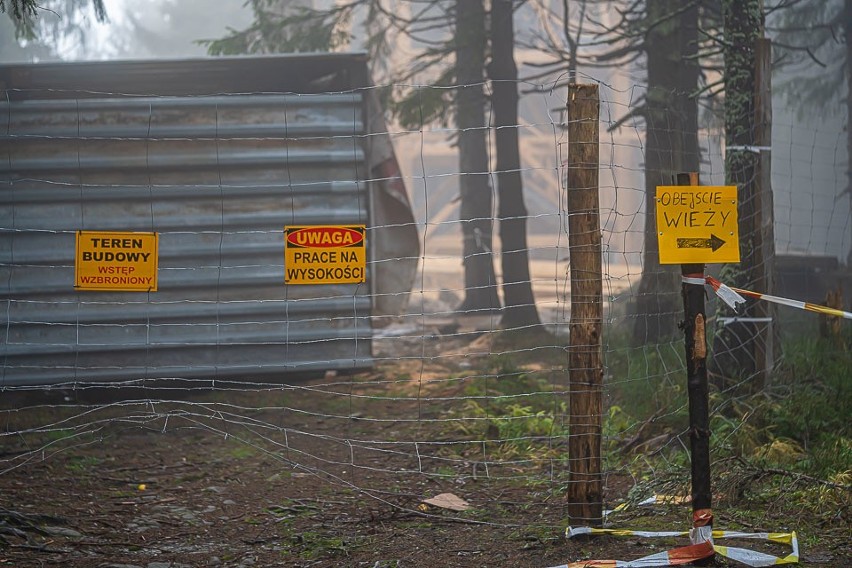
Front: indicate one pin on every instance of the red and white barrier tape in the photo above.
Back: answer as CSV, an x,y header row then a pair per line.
x,y
734,296
693,552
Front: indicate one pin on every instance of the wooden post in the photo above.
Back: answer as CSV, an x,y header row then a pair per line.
x,y
585,373
763,267
695,342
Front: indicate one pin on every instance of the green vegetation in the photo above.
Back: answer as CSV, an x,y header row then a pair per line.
x,y
515,411
313,545
243,451
58,435
818,395
82,464
290,510
648,381
786,449
805,405
801,420
797,426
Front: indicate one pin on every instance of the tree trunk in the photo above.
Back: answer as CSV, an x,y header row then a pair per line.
x,y
734,345
520,310
743,25
476,199
671,146
763,274
847,29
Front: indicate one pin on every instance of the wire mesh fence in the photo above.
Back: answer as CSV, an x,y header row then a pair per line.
x,y
394,387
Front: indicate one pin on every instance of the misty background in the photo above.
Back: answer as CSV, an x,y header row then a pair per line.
x,y
809,158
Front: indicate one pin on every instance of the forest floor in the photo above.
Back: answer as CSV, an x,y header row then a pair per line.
x,y
177,486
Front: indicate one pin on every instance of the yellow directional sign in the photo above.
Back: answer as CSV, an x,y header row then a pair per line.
x,y
324,254
697,224
117,261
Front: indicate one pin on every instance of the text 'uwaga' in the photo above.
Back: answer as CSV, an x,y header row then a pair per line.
x,y
325,254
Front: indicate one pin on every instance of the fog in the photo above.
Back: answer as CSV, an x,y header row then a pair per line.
x,y
809,154
137,29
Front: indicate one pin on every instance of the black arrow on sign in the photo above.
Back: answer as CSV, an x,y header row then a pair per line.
x,y
713,243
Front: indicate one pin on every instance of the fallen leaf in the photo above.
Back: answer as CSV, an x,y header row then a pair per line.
x,y
448,501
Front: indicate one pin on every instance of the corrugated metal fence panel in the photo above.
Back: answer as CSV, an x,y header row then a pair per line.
x,y
218,177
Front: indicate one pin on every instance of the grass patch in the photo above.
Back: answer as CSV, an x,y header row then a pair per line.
x,y
243,451
782,452
82,464
514,412
290,510
311,545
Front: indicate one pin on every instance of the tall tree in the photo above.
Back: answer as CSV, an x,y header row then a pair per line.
x,y
846,16
282,26
742,349
58,18
671,146
468,43
743,26
480,282
519,310
270,32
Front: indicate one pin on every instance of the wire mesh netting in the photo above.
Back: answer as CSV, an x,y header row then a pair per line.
x,y
225,380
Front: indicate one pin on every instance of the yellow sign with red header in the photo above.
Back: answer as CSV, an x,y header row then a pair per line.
x,y
325,254
116,261
697,224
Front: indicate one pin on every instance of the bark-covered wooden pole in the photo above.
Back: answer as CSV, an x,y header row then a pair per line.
x,y
585,374
695,341
765,348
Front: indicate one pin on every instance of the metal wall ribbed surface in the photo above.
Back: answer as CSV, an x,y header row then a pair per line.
x,y
218,178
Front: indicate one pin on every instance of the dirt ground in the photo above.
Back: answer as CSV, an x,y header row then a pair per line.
x,y
237,478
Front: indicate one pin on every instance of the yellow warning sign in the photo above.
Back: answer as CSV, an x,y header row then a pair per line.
x,y
122,261
697,224
325,254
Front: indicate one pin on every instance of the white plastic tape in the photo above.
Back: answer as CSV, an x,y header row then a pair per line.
x,y
691,553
